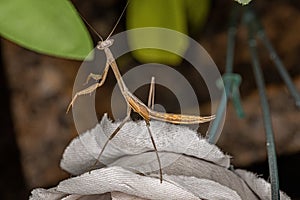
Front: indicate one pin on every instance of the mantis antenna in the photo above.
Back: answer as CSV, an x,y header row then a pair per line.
x,y
94,30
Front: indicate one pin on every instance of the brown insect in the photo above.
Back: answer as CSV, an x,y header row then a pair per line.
x,y
133,103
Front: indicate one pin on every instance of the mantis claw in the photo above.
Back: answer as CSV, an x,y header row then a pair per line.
x,y
96,77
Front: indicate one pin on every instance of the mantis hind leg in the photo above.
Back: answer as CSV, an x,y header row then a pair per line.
x,y
155,149
151,93
151,106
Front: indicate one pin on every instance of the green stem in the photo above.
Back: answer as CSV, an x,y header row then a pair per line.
x,y
215,131
279,65
272,160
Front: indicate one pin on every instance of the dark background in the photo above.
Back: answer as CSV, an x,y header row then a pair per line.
x,y
35,90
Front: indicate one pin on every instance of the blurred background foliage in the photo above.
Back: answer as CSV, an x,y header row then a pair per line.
x,y
48,27
54,27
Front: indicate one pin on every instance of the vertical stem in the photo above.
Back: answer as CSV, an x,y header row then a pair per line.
x,y
265,110
215,132
231,40
279,65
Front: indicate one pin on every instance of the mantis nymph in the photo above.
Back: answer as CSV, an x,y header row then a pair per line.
x,y
133,103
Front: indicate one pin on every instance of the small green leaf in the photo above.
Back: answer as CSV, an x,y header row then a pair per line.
x,y
243,2
50,27
168,14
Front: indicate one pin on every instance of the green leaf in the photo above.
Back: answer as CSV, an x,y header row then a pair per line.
x,y
197,12
51,27
157,13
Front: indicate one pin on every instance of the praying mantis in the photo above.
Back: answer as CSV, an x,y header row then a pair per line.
x,y
133,103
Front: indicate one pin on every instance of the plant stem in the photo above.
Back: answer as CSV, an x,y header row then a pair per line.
x,y
265,108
